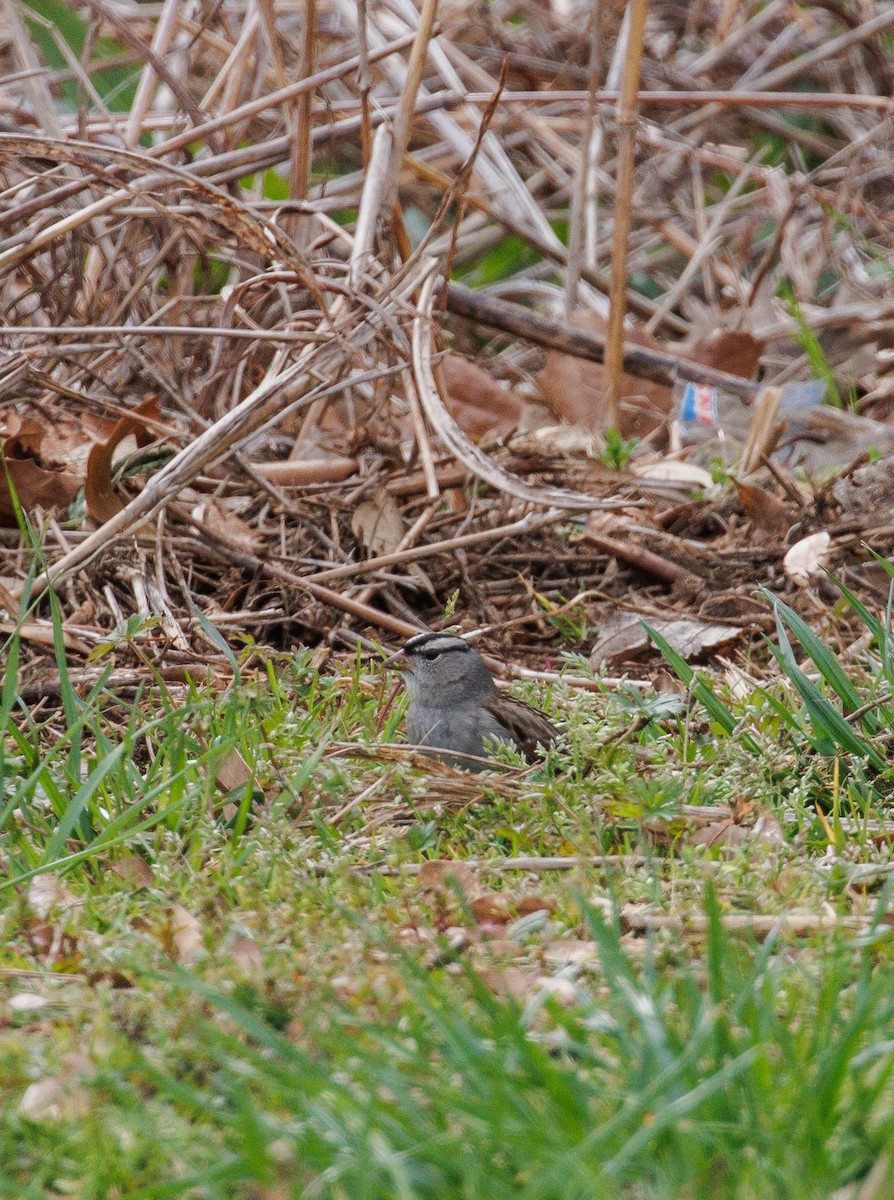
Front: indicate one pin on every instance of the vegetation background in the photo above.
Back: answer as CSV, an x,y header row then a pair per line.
x,y
311,338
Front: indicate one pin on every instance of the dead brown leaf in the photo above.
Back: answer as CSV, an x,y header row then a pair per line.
x,y
765,511
37,482
182,936
524,905
733,351
218,517
51,943
492,908
102,501
575,388
47,894
246,955
623,636
379,525
302,472
232,771
478,404
510,982
441,874
134,870
43,634
746,822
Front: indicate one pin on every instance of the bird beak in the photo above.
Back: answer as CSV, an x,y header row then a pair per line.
x,y
397,661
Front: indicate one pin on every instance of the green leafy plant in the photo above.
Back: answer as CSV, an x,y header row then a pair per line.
x,y
618,450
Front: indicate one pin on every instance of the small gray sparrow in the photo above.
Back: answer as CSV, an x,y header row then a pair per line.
x,y
456,706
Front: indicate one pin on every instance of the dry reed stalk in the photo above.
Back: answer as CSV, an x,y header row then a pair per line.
x,y
413,80
449,433
627,117
583,214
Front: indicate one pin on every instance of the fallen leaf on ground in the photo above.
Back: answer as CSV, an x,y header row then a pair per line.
x,y
232,771
47,894
575,388
102,501
623,635
492,908
733,351
134,870
747,823
37,482
510,982
304,471
246,954
379,525
675,471
182,936
478,404
42,633
565,952
443,873
562,440
807,558
219,519
60,1097
764,510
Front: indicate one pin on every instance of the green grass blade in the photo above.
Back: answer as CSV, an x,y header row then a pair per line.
x,y
701,690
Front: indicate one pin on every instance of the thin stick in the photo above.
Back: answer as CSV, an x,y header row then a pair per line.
x,y
557,335
404,115
526,525
579,214
627,112
364,83
299,182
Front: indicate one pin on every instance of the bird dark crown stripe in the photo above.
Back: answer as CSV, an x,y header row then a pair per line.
x,y
444,642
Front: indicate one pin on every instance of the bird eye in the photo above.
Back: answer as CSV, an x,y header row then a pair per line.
x,y
431,655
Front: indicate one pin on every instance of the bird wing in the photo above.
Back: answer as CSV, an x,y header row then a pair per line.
x,y
527,726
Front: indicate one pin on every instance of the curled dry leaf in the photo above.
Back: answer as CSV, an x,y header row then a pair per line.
x,y
569,440
807,558
478,404
674,471
302,472
102,502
